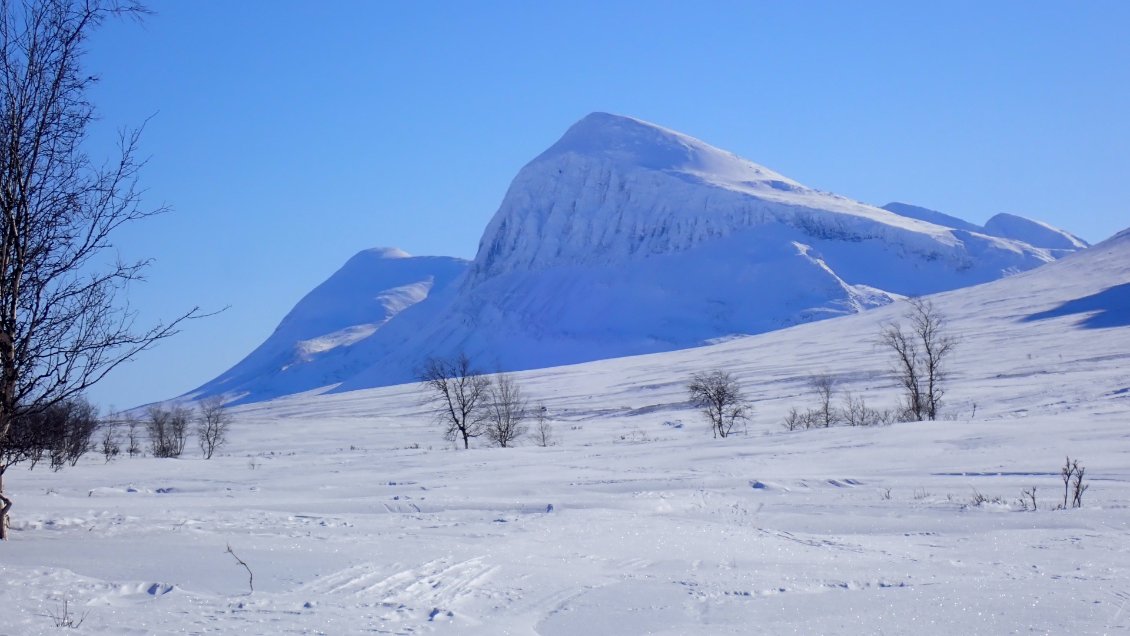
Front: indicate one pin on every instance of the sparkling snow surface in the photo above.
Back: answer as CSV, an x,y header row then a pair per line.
x,y
356,518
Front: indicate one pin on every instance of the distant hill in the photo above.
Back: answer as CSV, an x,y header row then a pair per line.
x,y
1009,226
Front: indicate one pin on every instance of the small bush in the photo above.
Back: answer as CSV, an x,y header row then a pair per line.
x,y
1072,474
110,446
855,412
168,430
796,420
212,424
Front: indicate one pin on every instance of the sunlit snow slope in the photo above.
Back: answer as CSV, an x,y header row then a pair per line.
x,y
626,238
316,343
1008,226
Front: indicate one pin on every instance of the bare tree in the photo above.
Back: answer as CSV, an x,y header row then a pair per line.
x,y
507,411
69,425
920,350
543,430
906,366
719,397
212,423
825,386
110,445
59,432
795,419
133,435
63,322
458,395
855,412
1072,474
168,430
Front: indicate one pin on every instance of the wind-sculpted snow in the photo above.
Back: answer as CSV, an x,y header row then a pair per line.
x,y
626,238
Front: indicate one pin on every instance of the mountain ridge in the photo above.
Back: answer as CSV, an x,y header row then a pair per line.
x,y
625,238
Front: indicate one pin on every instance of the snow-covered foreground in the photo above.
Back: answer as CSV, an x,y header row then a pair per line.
x,y
356,518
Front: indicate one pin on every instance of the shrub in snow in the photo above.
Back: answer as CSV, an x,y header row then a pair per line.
x,y
799,419
506,413
212,422
168,430
1072,474
110,446
60,431
543,430
855,412
826,415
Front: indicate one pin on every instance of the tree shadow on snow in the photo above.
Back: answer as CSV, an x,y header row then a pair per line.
x,y
1109,308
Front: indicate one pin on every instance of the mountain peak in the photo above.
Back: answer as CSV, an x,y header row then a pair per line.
x,y
634,143
1035,233
384,253
625,140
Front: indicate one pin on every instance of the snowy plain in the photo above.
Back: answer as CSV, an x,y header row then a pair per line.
x,y
355,516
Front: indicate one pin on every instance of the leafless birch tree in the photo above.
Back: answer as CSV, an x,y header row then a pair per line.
x,y
212,422
458,395
920,351
719,397
64,323
168,429
507,411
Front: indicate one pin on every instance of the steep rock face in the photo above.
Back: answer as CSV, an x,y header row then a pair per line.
x,y
315,343
622,238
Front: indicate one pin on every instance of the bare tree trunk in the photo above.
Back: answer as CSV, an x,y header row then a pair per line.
x,y
7,505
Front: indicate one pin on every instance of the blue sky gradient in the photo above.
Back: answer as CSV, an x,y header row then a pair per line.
x,y
289,135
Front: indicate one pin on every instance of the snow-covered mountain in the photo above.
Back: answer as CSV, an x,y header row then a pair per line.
x,y
1009,226
314,345
625,238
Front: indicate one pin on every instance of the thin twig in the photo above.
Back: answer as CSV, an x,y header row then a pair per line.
x,y
250,576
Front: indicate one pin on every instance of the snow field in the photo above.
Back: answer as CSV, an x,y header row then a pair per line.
x,y
355,517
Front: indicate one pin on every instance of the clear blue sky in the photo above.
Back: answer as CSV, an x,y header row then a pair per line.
x,y
289,135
